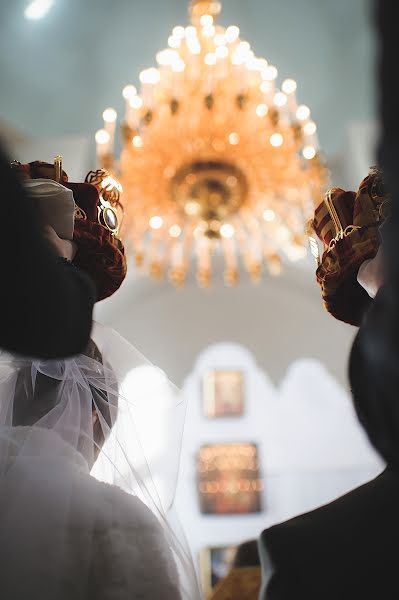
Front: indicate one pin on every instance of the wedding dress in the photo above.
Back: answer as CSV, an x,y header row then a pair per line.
x,y
89,452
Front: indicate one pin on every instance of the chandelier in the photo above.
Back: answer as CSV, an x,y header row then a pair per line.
x,y
215,158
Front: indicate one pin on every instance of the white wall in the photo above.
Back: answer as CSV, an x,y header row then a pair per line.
x,y
279,320
311,447
351,165
74,149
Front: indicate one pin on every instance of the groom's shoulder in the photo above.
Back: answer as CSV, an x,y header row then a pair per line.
x,y
300,555
375,500
365,513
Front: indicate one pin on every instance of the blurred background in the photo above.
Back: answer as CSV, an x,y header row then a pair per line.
x,y
57,75
59,72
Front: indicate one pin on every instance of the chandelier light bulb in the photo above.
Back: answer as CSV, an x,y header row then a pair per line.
x,y
262,110
193,45
232,34
253,63
227,230
266,87
270,73
175,231
222,52
135,102
129,91
102,137
206,20
109,115
237,59
234,138
263,64
208,31
156,222
174,42
243,48
269,215
310,128
178,32
179,66
190,32
167,57
137,141
309,152
280,99
150,76
210,59
302,113
191,208
289,86
276,140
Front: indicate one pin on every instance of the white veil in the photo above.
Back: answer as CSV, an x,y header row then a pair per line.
x,y
109,412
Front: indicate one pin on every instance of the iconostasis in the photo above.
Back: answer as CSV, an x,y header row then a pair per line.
x,y
255,453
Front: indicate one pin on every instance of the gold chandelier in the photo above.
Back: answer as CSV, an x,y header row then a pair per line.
x,y
215,158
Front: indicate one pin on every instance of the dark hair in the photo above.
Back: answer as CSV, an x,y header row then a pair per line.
x,y
374,374
34,399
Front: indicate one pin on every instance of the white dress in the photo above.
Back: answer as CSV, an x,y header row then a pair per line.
x,y
112,548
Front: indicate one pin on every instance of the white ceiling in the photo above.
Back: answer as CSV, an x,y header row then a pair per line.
x,y
58,74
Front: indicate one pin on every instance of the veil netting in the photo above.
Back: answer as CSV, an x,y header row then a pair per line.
x,y
89,456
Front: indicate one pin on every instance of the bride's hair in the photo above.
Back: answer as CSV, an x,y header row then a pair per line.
x,y
37,393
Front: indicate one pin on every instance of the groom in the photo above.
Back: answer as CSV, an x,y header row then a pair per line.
x,y
347,550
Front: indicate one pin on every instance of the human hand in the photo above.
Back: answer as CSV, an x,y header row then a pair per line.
x,y
371,274
63,248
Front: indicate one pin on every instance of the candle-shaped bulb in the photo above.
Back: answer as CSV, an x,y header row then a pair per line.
x,y
289,86
150,76
109,115
102,137
129,91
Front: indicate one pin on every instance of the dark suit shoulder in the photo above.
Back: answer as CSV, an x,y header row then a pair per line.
x,y
344,536
375,501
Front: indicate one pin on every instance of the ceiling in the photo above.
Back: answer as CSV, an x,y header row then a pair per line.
x,y
59,73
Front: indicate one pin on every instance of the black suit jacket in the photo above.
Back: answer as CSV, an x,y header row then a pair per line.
x,y
45,305
346,550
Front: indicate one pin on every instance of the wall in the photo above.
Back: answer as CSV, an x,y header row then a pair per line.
x,y
279,320
311,448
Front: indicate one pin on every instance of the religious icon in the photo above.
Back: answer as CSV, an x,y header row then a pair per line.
x,y
215,563
223,393
228,477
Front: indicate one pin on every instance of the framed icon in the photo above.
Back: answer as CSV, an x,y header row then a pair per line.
x,y
223,393
228,476
215,564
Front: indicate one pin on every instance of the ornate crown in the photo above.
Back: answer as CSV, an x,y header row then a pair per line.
x,y
347,223
98,217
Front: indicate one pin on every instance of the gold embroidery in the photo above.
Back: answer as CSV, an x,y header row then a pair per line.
x,y
343,234
331,209
79,213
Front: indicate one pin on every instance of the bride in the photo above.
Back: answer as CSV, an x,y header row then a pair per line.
x,y
89,446
89,450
